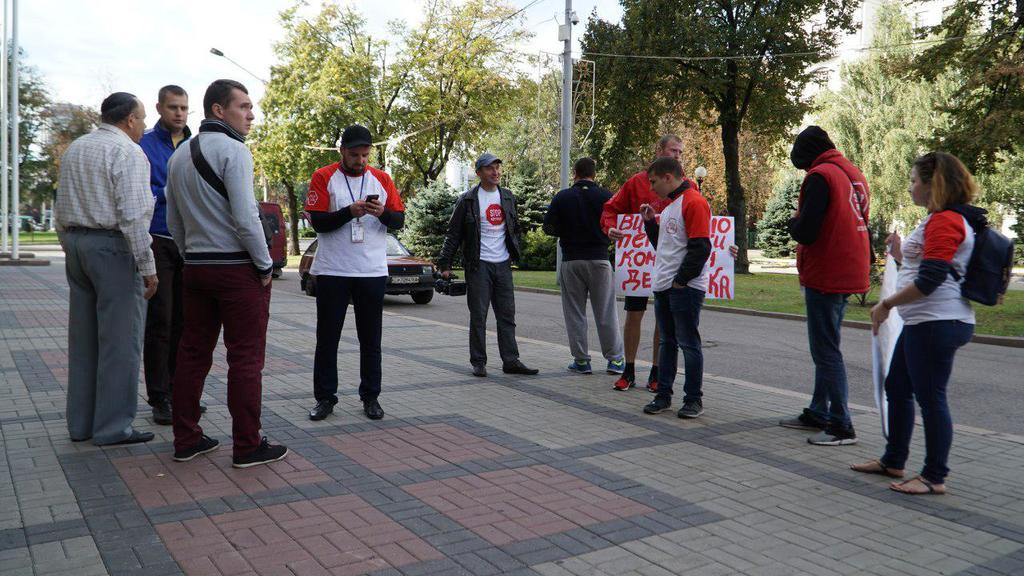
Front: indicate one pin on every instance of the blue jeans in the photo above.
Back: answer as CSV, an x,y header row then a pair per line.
x,y
920,368
824,320
678,314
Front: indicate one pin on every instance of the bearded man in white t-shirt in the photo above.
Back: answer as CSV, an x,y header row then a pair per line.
x,y
485,225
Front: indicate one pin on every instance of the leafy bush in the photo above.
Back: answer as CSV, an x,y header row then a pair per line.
x,y
426,219
307,233
773,228
539,251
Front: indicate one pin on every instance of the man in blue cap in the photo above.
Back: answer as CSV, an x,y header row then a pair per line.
x,y
485,225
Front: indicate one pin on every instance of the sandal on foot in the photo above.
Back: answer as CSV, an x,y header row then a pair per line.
x,y
876,467
931,486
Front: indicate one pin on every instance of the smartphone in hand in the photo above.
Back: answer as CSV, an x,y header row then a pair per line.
x,y
372,197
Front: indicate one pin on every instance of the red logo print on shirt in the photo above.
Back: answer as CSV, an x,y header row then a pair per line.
x,y
495,215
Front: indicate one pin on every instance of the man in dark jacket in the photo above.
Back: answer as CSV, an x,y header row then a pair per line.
x,y
485,225
575,218
164,317
834,260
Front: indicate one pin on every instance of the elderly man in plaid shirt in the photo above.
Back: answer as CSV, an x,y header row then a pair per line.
x,y
103,209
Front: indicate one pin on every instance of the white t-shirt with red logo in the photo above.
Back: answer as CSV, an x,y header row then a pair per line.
x,y
330,190
492,227
688,216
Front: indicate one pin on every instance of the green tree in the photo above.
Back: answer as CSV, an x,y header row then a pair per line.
x,y
880,118
33,101
457,69
426,219
773,228
764,54
984,42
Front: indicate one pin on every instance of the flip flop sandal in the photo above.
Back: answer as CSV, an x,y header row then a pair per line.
x,y
882,470
929,485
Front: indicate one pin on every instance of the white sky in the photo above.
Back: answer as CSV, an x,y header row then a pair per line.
x,y
88,49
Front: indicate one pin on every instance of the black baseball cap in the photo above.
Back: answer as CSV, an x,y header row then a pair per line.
x,y
356,135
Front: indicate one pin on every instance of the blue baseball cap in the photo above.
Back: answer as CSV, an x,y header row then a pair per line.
x,y
486,159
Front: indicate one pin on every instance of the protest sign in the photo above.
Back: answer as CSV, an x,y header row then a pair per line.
x,y
634,258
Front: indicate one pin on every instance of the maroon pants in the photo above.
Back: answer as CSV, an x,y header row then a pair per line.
x,y
232,296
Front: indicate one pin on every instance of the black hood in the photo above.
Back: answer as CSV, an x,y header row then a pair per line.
x,y
975,216
810,144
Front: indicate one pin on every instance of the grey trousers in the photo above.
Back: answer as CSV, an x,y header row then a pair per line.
x,y
105,329
594,278
490,285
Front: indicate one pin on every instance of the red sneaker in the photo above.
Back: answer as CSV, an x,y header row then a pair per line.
x,y
622,384
652,386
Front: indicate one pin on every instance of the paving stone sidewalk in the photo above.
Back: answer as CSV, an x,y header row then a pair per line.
x,y
553,475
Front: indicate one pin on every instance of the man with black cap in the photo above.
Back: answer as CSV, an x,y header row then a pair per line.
x,y
834,260
485,225
352,206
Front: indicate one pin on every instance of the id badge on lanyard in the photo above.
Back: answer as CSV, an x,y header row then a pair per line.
x,y
357,225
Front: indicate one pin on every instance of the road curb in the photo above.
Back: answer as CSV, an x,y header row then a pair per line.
x,y
1008,341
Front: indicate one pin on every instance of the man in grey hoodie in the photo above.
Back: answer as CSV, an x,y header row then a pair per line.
x,y
213,217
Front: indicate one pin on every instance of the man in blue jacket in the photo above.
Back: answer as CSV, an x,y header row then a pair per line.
x,y
164,317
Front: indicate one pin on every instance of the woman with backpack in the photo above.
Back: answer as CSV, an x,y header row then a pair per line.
x,y
937,319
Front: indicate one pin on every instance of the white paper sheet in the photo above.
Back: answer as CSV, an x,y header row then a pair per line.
x,y
883,344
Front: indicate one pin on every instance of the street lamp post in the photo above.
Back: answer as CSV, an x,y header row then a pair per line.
x,y
216,52
700,173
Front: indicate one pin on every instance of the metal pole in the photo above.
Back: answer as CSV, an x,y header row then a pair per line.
x,y
566,137
15,102
565,34
4,243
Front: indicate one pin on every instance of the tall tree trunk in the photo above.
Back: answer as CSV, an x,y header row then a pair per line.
x,y
736,203
293,216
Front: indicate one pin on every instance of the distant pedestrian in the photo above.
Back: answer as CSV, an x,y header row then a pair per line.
x,y
102,216
574,216
485,226
214,219
683,240
635,192
834,260
937,319
164,317
352,206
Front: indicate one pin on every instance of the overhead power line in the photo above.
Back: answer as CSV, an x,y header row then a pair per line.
x,y
791,54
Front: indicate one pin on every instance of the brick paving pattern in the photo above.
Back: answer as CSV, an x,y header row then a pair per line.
x,y
554,475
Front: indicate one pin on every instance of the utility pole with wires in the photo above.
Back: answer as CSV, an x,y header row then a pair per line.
x,y
565,141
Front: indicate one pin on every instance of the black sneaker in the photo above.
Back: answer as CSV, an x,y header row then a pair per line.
x,y
834,436
805,421
162,413
658,405
205,444
691,409
517,367
265,453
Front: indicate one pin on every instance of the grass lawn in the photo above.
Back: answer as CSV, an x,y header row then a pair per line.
x,y
26,238
781,293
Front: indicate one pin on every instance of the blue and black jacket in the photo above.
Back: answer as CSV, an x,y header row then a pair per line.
x,y
157,145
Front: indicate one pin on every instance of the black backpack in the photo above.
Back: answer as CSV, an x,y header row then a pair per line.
x,y
988,270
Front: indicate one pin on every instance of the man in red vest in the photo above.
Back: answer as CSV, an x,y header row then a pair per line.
x,y
834,260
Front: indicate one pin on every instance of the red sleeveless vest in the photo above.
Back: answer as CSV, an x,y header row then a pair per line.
x,y
838,262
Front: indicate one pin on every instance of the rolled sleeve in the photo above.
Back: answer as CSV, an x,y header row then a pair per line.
x,y
133,201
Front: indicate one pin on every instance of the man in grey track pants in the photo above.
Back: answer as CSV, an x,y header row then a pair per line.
x,y
575,218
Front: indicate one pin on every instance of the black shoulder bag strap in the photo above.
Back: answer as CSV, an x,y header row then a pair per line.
x,y
215,182
205,170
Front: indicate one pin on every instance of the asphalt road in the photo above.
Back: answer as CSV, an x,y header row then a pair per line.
x,y
986,391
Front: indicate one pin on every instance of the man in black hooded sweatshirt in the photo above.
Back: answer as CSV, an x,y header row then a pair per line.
x,y
834,259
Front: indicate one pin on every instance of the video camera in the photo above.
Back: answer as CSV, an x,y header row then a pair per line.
x,y
450,286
